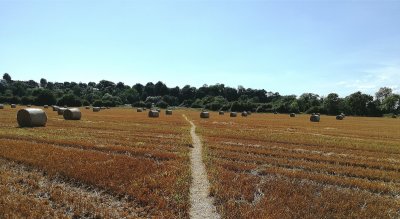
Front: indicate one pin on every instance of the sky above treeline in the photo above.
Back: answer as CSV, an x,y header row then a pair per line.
x,y
290,47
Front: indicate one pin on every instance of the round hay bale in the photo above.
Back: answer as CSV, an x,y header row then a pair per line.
x,y
139,110
31,117
339,117
221,113
61,110
248,113
292,114
314,118
55,108
154,113
1,106
13,106
318,114
275,112
204,115
144,109
168,112
244,113
394,116
233,114
96,109
87,107
72,114
28,105
46,106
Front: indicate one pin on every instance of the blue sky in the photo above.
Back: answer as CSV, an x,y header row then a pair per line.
x,y
289,47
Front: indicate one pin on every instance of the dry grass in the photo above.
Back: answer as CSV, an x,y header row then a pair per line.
x,y
119,163
118,151
274,166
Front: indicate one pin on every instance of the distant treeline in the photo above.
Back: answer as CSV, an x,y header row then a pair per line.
x,y
212,97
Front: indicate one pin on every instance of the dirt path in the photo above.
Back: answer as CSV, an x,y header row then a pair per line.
x,y
201,203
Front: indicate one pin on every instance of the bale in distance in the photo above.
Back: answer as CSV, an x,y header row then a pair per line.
x,y
28,105
13,106
154,113
60,111
1,106
394,116
103,108
72,114
233,114
314,118
139,110
292,114
46,106
248,113
96,109
168,112
221,113
339,117
244,113
87,107
55,108
275,112
204,115
31,117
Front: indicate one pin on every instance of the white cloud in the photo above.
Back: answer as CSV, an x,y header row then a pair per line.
x,y
388,75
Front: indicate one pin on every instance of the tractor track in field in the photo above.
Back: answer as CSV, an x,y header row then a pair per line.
x,y
201,203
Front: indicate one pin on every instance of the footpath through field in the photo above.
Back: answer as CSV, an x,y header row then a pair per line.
x,y
201,203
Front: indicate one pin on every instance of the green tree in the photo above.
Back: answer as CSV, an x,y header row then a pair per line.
x,y
43,82
7,77
332,104
44,97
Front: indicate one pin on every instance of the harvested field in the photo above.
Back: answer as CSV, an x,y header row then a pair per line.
x,y
274,166
121,164
121,153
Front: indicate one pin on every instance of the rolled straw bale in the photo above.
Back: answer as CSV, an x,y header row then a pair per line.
x,y
221,113
31,117
96,109
275,112
318,114
72,114
87,107
55,108
61,110
248,113
139,110
46,106
339,117
154,113
168,112
1,106
144,109
204,115
28,105
244,113
394,116
13,106
233,114
314,118
344,115
292,114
